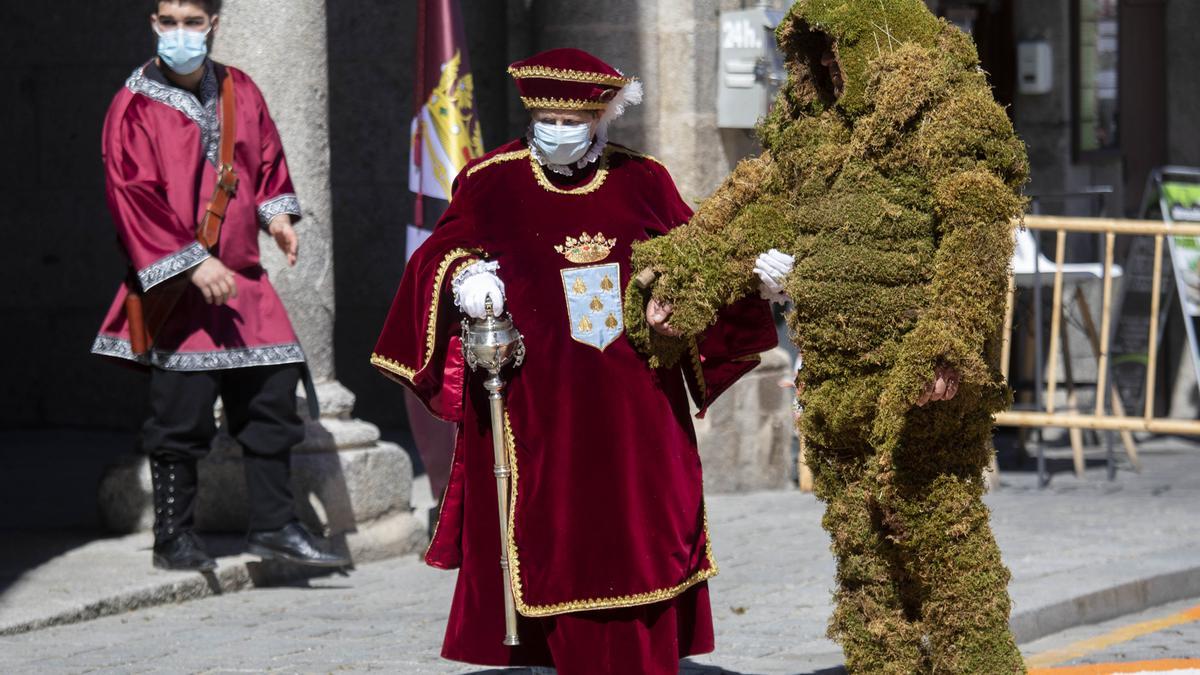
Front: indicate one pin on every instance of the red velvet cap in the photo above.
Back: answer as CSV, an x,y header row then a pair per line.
x,y
568,79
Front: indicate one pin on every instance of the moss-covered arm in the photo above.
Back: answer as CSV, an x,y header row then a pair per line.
x,y
967,294
708,263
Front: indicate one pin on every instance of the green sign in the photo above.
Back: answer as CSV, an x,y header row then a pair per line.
x,y
1182,203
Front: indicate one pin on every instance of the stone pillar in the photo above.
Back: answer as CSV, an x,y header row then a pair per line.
x,y
671,45
281,45
346,480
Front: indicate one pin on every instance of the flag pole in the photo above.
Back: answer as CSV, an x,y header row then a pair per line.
x,y
419,101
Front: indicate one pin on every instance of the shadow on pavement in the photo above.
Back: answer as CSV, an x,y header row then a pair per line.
x,y
685,668
51,478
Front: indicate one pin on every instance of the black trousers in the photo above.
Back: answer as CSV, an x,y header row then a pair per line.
x,y
260,411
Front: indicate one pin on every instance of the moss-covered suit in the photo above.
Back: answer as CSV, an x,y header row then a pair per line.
x,y
896,199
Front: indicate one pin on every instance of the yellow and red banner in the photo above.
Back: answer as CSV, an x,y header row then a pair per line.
x,y
445,129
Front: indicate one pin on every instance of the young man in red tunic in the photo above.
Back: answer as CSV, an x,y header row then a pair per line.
x,y
228,334
609,545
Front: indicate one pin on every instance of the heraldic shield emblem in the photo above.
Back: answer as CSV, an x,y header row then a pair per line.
x,y
594,303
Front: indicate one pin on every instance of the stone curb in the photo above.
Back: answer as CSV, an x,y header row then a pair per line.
x,y
1100,595
245,572
393,536
233,575
1158,587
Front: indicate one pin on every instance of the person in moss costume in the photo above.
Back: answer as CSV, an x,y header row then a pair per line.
x,y
892,177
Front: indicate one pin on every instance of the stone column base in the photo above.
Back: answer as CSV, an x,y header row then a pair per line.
x,y
746,438
348,485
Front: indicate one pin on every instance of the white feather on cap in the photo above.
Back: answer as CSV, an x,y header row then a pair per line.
x,y
630,94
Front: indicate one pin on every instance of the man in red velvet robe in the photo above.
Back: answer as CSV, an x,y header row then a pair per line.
x,y
608,541
229,334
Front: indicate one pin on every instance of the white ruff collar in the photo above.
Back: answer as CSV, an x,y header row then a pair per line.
x,y
592,154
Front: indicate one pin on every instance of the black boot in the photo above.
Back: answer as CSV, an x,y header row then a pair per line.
x,y
184,552
294,543
176,547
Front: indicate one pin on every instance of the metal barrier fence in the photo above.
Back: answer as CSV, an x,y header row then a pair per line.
x,y
1109,413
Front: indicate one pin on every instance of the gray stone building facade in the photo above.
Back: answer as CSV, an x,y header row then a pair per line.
x,y
62,264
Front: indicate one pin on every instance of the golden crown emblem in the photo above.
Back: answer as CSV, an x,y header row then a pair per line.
x,y
586,249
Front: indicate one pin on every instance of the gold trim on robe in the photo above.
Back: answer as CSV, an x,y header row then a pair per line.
x,y
615,602
496,159
407,372
588,188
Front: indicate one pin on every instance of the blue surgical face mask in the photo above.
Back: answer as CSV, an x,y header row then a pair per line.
x,y
562,143
183,50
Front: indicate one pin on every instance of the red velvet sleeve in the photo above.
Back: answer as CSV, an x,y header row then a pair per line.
x,y
729,349
158,244
273,193
419,345
672,209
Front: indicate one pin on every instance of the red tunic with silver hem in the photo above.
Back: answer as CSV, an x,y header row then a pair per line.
x,y
160,152
608,539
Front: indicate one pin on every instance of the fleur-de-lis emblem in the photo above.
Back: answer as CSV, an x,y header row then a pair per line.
x,y
593,303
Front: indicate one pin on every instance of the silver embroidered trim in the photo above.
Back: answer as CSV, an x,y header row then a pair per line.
x,y
203,114
244,357
285,203
168,266
474,269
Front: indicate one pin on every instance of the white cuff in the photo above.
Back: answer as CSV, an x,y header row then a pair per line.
x,y
476,268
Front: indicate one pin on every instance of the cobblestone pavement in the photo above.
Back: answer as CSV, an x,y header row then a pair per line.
x,y
1169,631
389,616
770,602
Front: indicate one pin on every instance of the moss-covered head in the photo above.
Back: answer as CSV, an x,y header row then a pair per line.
x,y
857,31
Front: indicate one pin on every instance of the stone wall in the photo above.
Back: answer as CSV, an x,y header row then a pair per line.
x,y
63,264
59,67
1044,121
371,51
1183,95
671,45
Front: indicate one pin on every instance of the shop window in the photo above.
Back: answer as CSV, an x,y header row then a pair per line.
x,y
1095,95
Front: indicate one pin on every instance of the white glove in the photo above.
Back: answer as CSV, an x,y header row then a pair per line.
x,y
772,268
474,285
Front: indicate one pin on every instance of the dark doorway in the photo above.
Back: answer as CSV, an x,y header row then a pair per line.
x,y
1143,93
990,23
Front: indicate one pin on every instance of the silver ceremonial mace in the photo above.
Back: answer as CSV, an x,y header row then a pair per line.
x,y
492,343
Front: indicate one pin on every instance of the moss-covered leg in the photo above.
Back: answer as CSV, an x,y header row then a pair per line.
x,y
953,560
870,619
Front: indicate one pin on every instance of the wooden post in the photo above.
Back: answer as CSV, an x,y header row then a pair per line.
x,y
1006,338
1152,351
1105,323
1089,327
1060,249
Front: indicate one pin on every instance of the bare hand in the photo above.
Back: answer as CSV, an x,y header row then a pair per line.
x,y
214,280
943,387
659,318
285,236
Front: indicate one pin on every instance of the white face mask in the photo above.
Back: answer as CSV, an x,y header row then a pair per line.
x,y
562,143
183,50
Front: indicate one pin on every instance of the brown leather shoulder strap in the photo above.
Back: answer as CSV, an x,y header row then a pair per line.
x,y
208,232
228,122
